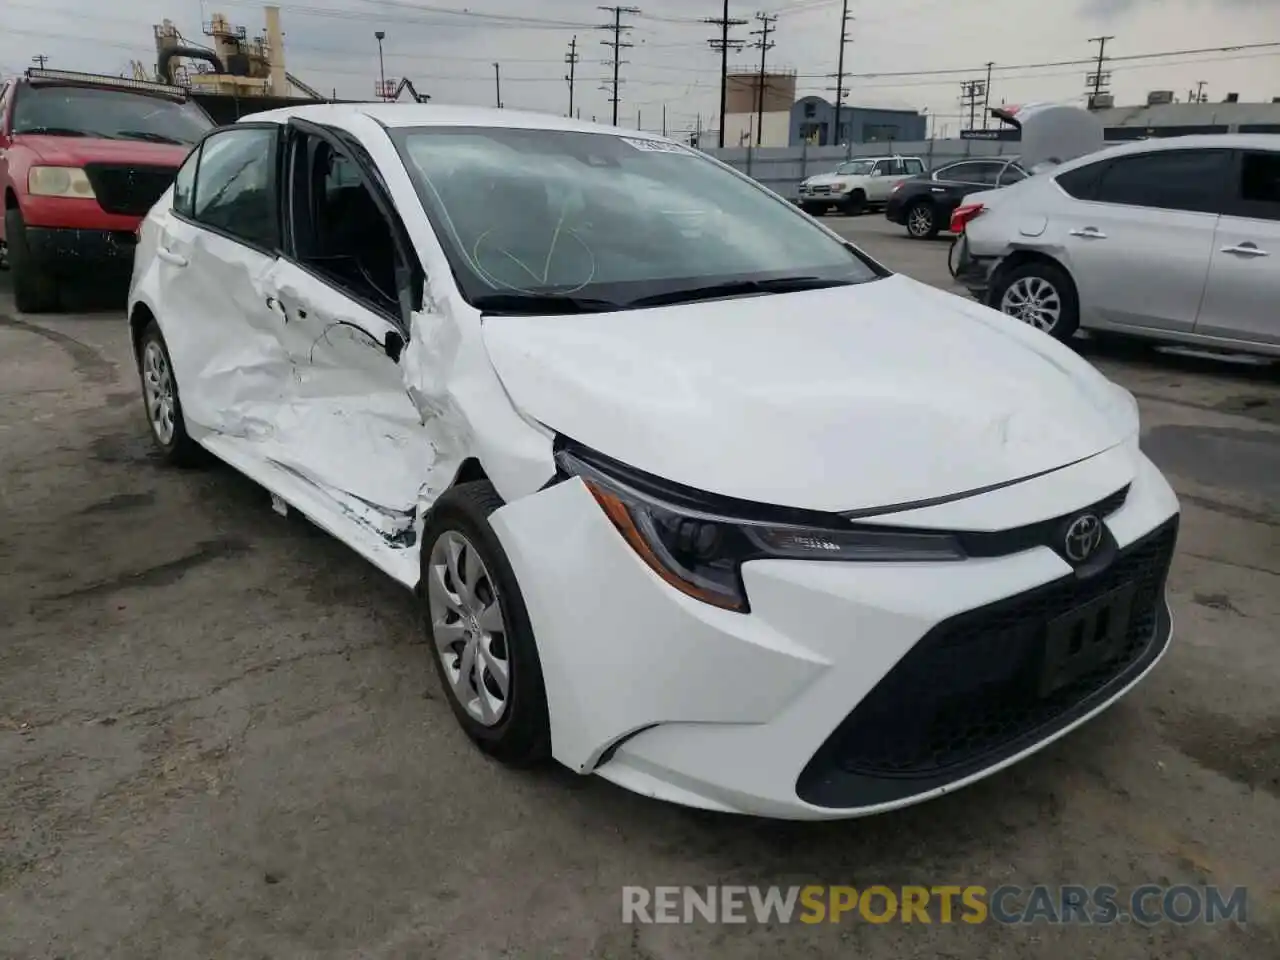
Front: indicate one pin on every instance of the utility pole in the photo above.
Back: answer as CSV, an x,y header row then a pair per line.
x,y
664,119
765,45
40,59
1099,78
723,44
381,35
1200,85
986,97
571,58
497,83
971,91
844,39
618,45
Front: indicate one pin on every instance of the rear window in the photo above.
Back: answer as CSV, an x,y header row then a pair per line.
x,y
70,111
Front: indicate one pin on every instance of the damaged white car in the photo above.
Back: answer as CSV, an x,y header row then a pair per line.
x,y
710,504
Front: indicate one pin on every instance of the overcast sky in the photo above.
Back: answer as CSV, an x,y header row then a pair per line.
x,y
330,44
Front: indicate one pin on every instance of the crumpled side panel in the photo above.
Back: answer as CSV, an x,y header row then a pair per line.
x,y
465,409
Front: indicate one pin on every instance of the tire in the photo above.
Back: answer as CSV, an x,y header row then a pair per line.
x,y
856,205
814,209
164,418
1045,289
921,219
512,726
34,287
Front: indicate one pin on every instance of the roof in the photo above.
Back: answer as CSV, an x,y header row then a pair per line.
x,y
437,115
1190,114
1227,141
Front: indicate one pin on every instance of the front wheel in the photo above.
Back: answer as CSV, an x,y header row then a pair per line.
x,y
856,205
1040,294
479,629
814,209
35,289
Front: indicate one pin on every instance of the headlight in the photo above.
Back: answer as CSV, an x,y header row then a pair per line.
x,y
59,182
700,550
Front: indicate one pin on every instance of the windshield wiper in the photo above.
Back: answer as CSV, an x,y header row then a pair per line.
x,y
57,132
149,136
737,288
533,304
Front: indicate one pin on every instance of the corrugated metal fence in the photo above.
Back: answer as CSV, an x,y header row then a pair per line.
x,y
782,168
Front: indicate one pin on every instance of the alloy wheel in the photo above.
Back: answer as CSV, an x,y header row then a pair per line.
x,y
468,628
1033,300
157,388
920,221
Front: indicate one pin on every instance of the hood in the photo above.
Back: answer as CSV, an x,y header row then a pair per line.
x,y
77,151
830,179
849,398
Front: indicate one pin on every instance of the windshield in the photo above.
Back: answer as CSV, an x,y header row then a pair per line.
x,y
610,221
855,168
112,114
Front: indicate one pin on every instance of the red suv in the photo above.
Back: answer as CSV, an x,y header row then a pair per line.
x,y
82,159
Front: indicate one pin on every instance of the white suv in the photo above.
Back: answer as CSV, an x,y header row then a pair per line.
x,y
857,184
1168,239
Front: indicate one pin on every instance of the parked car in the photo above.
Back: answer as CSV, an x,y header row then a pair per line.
x,y
1173,239
856,185
815,568
82,159
924,204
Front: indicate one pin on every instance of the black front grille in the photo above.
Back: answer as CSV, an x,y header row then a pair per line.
x,y
129,190
968,694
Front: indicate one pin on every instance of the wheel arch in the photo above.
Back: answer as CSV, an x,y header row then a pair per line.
x,y
1022,256
140,317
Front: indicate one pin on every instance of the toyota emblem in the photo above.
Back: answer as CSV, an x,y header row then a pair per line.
x,y
1082,538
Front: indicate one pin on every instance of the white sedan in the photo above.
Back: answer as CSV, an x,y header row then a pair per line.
x,y
712,505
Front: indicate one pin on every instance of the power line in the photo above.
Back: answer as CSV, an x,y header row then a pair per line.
x,y
618,45
764,45
723,44
844,40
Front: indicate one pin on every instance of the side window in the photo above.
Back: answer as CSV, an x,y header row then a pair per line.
x,y
338,230
184,183
1010,174
1191,180
988,173
1259,190
1082,182
235,185
958,173
913,167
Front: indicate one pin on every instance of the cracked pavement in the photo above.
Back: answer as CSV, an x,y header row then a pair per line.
x,y
220,735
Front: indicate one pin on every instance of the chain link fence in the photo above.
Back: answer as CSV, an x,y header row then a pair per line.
x,y
782,168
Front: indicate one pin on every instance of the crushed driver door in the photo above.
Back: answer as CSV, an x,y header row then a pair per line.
x,y
342,293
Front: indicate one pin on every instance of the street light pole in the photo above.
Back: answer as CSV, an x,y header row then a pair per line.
x,y
382,72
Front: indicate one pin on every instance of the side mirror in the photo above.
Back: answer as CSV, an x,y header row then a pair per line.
x,y
393,345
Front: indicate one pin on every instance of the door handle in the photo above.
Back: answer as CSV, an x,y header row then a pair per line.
x,y
1246,249
1089,233
168,256
275,306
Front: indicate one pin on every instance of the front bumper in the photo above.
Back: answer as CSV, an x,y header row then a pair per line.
x,y
850,688
61,248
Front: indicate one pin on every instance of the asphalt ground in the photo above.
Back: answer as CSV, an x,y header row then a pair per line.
x,y
221,735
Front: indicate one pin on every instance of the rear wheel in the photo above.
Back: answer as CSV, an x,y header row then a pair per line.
x,y
34,288
922,220
163,405
1041,294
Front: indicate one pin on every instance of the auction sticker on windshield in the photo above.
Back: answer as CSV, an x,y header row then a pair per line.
x,y
656,146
